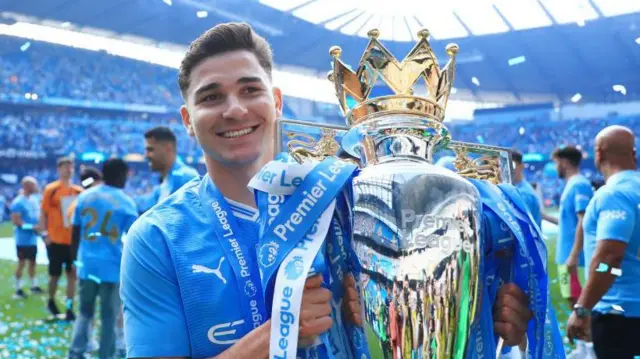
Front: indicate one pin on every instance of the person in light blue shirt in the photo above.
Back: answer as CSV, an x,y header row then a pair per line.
x,y
102,215
25,213
179,288
161,152
527,192
609,306
569,254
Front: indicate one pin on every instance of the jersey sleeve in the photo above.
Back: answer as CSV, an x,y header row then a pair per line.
x,y
582,194
616,218
154,321
46,199
17,206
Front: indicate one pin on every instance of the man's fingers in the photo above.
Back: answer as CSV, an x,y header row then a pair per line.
x,y
513,290
509,315
313,282
314,311
511,334
315,327
316,296
349,281
518,307
350,293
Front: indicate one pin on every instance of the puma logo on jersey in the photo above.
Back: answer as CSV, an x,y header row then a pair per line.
x,y
197,268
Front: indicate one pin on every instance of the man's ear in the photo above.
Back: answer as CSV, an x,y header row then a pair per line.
x,y
186,120
277,96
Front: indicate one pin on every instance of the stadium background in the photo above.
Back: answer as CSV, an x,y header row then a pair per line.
x,y
87,79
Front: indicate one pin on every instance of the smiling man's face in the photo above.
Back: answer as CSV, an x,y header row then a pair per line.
x,y
232,108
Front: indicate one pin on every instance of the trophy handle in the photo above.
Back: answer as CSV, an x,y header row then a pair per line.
x,y
302,146
495,164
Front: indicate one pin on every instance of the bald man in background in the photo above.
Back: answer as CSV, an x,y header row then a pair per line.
x,y
608,309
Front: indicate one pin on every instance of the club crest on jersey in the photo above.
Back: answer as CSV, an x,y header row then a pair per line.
x,y
294,268
250,289
268,254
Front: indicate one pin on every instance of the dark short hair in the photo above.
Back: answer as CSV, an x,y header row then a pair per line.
x,y
64,161
220,39
114,172
90,172
162,134
516,157
570,153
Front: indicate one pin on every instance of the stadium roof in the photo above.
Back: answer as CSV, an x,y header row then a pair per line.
x,y
513,50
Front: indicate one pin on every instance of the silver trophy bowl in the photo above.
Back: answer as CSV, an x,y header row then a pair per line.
x,y
416,235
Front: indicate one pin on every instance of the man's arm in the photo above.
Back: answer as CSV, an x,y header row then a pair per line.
x,y
550,218
609,253
16,218
578,242
44,209
615,224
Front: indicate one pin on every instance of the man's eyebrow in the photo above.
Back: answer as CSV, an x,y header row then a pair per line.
x,y
207,87
247,79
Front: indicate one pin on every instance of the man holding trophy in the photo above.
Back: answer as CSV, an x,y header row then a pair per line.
x,y
206,275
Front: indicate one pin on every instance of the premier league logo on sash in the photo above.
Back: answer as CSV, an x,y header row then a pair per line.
x,y
408,230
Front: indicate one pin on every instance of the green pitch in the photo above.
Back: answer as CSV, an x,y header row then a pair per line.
x,y
26,333
6,230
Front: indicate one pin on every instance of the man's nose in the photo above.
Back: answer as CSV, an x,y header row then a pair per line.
x,y
235,108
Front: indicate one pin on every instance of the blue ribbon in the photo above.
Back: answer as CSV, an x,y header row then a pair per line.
x,y
333,263
242,259
328,184
527,270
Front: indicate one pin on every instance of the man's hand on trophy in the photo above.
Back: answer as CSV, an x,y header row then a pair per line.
x,y
351,303
315,312
511,314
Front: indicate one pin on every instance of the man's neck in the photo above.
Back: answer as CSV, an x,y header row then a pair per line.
x,y
168,167
233,181
571,172
612,170
517,178
65,181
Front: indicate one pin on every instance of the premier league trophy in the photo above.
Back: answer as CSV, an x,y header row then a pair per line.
x,y
416,247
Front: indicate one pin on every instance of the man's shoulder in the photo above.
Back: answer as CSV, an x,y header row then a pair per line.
x,y
51,186
181,208
18,200
185,171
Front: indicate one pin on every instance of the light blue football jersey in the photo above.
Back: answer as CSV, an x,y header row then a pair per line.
x,y
104,214
28,207
614,214
575,198
178,288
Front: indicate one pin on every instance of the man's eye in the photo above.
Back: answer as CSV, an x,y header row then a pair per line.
x,y
211,97
252,89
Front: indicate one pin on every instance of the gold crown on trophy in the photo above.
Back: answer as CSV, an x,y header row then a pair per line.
x,y
377,63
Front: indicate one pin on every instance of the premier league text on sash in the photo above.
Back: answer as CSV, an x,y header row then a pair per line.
x,y
246,287
310,197
300,203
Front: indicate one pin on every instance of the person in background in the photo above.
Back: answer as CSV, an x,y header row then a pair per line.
x,y
161,152
56,199
527,192
89,177
569,255
608,309
25,213
102,216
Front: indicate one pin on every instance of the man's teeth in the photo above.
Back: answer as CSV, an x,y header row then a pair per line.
x,y
232,134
